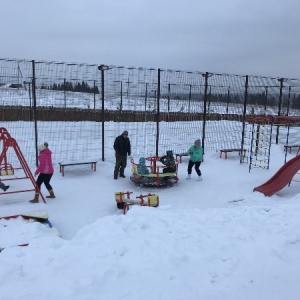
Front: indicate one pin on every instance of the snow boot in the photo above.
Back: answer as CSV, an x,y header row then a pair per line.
x,y
35,199
3,186
51,194
199,178
122,175
188,177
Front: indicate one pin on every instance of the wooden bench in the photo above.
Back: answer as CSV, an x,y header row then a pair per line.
x,y
180,156
225,151
62,165
289,148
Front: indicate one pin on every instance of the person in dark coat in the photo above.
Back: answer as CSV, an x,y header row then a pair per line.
x,y
169,161
122,148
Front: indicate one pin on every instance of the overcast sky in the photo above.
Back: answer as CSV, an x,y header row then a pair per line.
x,y
253,37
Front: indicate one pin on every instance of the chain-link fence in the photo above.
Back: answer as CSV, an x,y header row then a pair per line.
x,y
87,104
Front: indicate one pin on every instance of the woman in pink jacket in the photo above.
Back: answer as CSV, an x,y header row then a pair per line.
x,y
45,171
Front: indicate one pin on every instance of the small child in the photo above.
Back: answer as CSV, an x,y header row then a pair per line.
x,y
3,186
196,153
169,161
141,168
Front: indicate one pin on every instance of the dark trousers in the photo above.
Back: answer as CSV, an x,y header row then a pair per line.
x,y
44,178
121,163
197,166
169,170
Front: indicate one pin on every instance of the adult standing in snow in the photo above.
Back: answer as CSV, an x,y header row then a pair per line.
x,y
122,148
196,153
44,171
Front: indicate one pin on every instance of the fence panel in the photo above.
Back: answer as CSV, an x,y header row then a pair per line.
x,y
58,100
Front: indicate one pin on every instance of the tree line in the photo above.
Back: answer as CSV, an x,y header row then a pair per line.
x,y
82,87
253,98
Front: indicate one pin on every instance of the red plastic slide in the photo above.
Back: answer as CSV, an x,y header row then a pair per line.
x,y
283,176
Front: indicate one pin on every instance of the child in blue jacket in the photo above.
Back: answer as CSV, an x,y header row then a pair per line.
x,y
141,168
196,153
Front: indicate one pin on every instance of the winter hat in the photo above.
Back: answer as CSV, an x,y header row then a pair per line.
x,y
42,147
46,144
170,153
197,142
142,160
125,132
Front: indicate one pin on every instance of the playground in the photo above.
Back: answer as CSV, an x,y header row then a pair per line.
x,y
219,224
232,177
241,219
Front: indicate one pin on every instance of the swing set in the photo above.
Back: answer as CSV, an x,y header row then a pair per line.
x,y
9,143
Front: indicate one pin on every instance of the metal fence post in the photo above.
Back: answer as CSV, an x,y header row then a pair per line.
x,y
206,75
102,68
244,119
35,112
157,113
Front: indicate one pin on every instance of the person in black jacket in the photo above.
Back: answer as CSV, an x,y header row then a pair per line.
x,y
122,147
169,161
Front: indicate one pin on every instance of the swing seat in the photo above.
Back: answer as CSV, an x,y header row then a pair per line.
x,y
121,200
6,170
152,200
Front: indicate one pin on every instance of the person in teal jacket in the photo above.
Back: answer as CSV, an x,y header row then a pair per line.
x,y
141,167
195,152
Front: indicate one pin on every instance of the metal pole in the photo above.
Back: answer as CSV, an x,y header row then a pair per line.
x,y
190,97
281,80
102,93
94,100
206,75
169,90
157,114
244,119
228,99
102,68
35,112
121,104
146,95
209,98
65,95
266,100
30,106
288,103
94,95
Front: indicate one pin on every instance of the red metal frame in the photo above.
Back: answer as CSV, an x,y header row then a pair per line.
x,y
141,202
8,142
146,203
154,169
